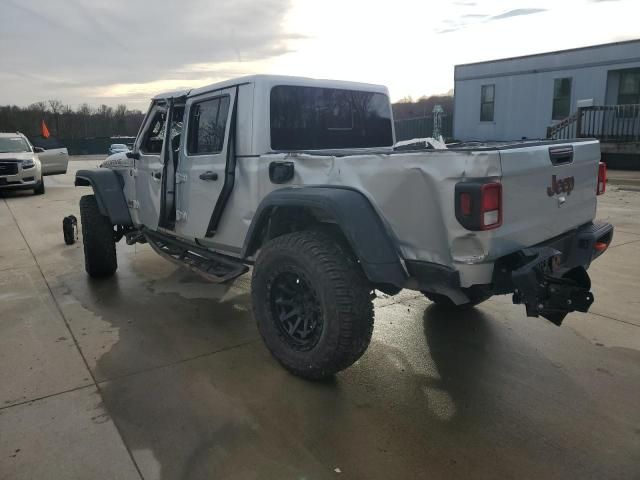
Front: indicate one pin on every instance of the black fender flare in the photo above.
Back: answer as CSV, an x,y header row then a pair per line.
x,y
108,189
359,222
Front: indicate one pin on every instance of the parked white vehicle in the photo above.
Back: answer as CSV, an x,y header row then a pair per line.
x,y
300,178
117,148
20,164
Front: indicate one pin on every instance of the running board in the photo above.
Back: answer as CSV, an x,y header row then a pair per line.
x,y
214,267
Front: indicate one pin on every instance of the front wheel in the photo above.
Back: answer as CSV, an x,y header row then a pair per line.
x,y
312,303
98,240
39,189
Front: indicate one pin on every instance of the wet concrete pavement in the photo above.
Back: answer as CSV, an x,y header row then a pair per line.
x,y
157,374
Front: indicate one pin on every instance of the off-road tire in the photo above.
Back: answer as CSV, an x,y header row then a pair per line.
x,y
39,188
342,295
100,259
476,297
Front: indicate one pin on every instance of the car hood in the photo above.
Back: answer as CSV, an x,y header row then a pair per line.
x,y
16,156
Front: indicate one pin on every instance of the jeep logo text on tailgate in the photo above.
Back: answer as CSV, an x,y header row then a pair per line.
x,y
560,185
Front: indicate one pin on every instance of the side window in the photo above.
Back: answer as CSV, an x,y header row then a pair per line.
x,y
487,100
207,123
561,98
177,127
154,136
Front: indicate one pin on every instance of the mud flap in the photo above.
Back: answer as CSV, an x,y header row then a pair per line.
x,y
546,290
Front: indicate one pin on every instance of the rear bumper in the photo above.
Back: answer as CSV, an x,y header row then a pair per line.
x,y
578,246
551,279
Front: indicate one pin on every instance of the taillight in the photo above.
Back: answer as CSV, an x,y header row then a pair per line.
x,y
479,205
600,246
602,178
465,203
491,201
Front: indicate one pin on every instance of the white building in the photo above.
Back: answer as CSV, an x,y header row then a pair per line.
x,y
520,97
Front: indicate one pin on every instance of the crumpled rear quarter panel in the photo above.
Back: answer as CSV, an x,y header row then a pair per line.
x,y
413,192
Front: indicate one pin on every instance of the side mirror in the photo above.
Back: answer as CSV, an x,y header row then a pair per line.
x,y
134,155
38,149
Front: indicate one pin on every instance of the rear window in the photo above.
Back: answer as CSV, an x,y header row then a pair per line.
x,y
312,118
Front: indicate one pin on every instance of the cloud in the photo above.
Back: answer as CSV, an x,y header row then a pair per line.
x,y
517,13
468,14
67,49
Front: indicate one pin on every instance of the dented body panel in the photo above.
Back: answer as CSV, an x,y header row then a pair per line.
x,y
412,192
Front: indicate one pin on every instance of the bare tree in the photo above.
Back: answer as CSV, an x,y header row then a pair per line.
x,y
120,116
105,121
85,111
40,106
56,109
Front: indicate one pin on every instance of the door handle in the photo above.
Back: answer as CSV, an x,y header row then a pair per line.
x,y
209,176
157,175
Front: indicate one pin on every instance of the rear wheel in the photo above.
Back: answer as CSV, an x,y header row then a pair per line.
x,y
98,239
312,304
39,189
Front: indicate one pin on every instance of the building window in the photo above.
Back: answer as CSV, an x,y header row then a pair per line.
x,y
487,100
629,91
561,98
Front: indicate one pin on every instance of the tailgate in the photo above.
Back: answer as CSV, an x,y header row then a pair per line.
x,y
547,190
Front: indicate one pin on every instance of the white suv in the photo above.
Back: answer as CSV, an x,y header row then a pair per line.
x,y
20,167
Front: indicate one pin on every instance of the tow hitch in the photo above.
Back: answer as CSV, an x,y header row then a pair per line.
x,y
546,289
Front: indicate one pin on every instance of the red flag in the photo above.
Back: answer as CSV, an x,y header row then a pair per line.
x,y
44,130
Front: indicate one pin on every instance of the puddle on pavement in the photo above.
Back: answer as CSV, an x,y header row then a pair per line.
x,y
239,413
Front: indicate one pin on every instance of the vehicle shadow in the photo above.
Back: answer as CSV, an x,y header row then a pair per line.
x,y
461,345
16,193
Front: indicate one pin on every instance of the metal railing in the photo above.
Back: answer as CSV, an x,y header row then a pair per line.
x,y
608,123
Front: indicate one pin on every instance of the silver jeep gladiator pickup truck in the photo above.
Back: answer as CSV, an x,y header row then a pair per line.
x,y
299,178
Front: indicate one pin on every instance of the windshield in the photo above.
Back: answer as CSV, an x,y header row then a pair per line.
x,y
13,145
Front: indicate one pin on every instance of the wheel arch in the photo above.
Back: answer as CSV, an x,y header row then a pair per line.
x,y
346,210
108,190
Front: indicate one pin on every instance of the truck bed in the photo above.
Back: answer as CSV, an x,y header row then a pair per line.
x,y
413,191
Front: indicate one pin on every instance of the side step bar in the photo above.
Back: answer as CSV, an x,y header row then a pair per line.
x,y
214,267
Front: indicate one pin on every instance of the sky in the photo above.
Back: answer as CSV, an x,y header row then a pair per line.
x,y
125,51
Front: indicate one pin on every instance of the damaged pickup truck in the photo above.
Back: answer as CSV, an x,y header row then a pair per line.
x,y
299,178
